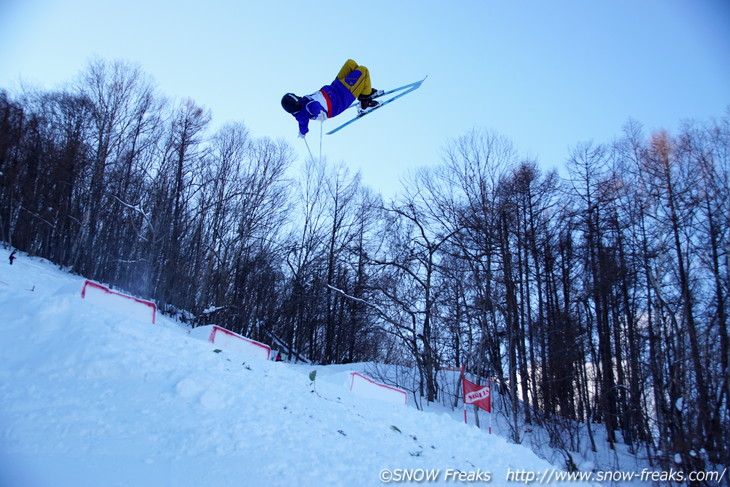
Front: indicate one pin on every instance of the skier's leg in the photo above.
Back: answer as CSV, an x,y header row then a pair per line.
x,y
355,78
346,69
358,82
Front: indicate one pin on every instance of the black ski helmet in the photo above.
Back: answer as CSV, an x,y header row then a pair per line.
x,y
291,103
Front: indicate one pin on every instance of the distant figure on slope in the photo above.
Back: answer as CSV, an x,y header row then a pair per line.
x,y
353,81
12,257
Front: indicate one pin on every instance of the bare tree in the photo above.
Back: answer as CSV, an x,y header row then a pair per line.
x,y
119,95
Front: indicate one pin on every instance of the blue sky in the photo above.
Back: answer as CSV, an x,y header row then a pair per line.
x,y
545,74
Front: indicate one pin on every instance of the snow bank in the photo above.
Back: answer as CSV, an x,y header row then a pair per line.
x,y
135,308
364,386
232,342
90,399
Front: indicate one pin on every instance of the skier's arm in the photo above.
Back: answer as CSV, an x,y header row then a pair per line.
x,y
314,108
311,111
303,119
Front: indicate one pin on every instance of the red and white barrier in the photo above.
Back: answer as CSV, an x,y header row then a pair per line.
x,y
232,342
102,296
367,387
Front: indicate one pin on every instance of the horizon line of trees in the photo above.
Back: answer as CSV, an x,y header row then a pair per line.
x,y
600,298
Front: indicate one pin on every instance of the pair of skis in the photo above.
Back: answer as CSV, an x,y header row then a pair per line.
x,y
401,91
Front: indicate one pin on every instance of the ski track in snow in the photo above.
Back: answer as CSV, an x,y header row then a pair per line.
x,y
89,397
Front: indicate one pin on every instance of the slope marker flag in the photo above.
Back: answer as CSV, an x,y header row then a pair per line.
x,y
480,396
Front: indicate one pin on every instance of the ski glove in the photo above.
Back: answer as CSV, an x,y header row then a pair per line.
x,y
300,135
322,116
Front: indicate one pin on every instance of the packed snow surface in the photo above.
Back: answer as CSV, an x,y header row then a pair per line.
x,y
90,397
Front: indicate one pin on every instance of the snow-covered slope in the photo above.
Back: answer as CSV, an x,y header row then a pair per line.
x,y
93,398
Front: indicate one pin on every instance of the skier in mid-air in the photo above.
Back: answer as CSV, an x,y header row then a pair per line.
x,y
352,82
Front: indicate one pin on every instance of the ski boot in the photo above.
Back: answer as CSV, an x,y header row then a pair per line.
x,y
367,102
